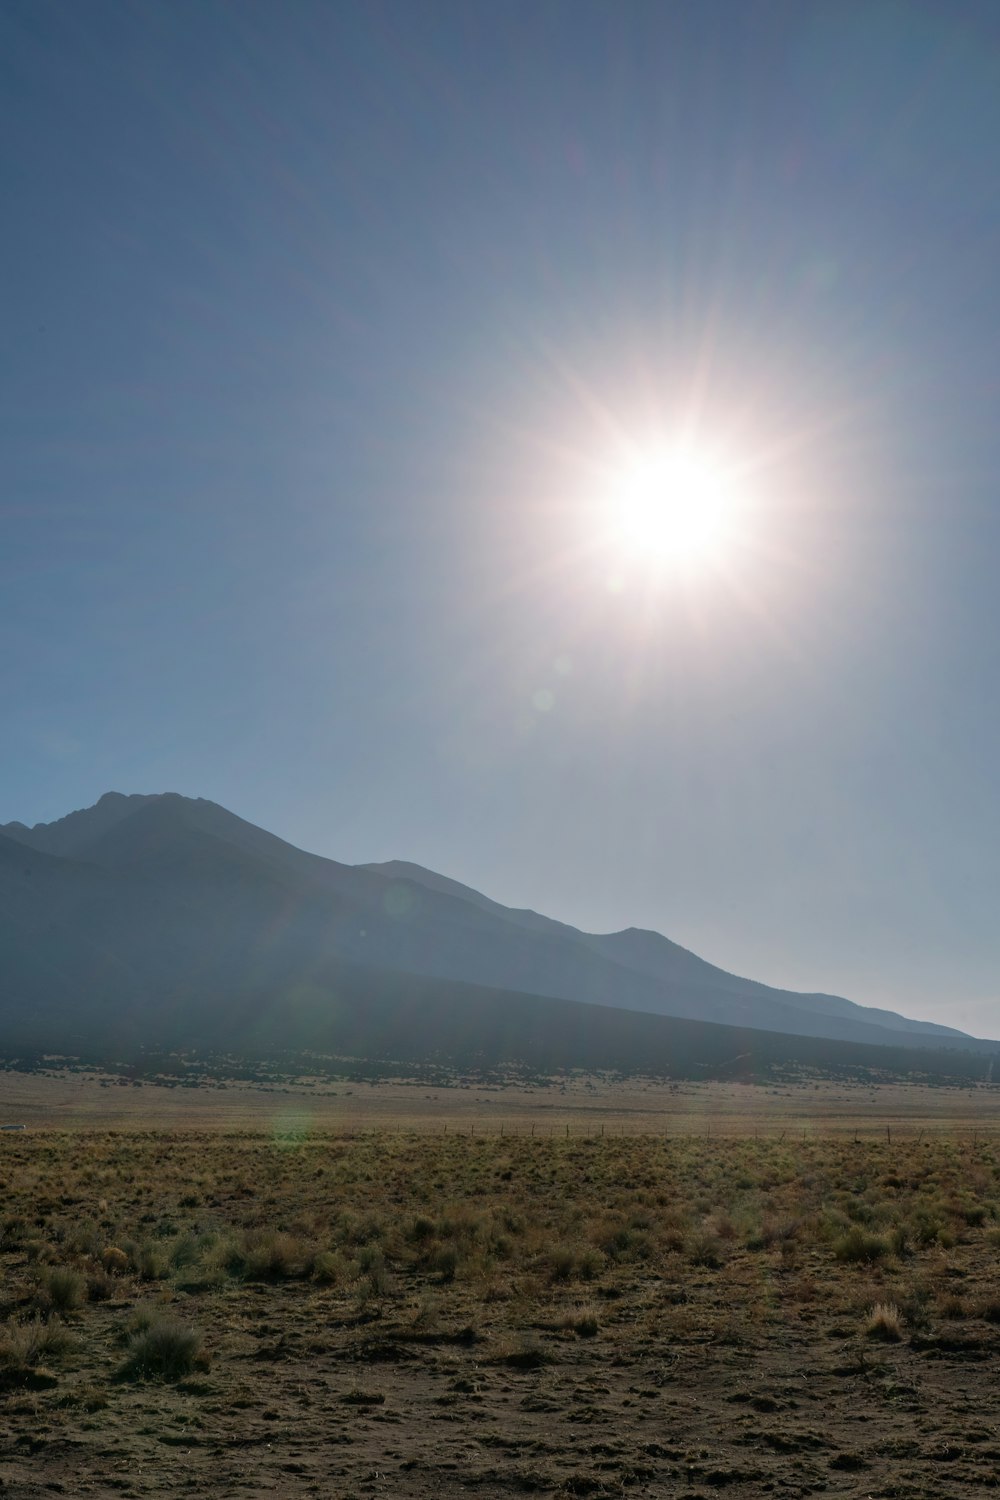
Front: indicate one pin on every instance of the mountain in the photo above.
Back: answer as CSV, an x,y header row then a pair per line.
x,y
697,987
163,918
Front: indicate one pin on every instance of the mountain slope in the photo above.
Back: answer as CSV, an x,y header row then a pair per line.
x,y
697,988
150,904
94,991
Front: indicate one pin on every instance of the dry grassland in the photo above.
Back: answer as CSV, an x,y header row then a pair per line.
x,y
415,1312
64,1100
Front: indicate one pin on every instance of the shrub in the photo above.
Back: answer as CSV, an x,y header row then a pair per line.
x,y
166,1350
705,1249
627,1242
185,1251
590,1264
444,1260
100,1286
428,1312
64,1288
562,1262
14,1231
24,1346
141,1321
274,1257
151,1261
527,1354
885,1322
859,1245
973,1214
928,1227
329,1267
674,1238
360,1229
83,1238
724,1225
371,1264
915,1309
583,1322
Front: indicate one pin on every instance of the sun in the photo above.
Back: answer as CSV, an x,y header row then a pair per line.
x,y
673,505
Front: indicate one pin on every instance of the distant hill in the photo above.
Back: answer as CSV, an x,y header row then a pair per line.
x,y
168,921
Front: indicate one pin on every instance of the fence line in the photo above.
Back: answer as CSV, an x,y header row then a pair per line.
x,y
894,1134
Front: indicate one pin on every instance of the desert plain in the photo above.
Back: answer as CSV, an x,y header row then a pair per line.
x,y
574,1286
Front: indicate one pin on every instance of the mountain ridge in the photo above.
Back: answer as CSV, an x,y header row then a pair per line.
x,y
689,963
162,900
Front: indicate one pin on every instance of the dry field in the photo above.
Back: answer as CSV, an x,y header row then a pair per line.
x,y
64,1100
345,1305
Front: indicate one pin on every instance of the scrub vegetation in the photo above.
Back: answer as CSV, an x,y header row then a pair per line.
x,y
495,1315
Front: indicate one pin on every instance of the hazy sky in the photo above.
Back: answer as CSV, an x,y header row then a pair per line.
x,y
325,326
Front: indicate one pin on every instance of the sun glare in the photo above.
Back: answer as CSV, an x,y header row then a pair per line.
x,y
673,506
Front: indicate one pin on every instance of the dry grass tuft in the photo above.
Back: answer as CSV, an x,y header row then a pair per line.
x,y
885,1322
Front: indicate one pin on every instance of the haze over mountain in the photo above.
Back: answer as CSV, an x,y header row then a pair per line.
x,y
164,918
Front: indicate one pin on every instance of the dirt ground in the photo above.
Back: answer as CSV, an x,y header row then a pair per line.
x,y
402,1311
309,1405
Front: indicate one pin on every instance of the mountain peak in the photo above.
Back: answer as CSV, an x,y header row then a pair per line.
x,y
67,836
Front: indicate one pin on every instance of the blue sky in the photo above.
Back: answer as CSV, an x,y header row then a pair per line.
x,y
319,320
